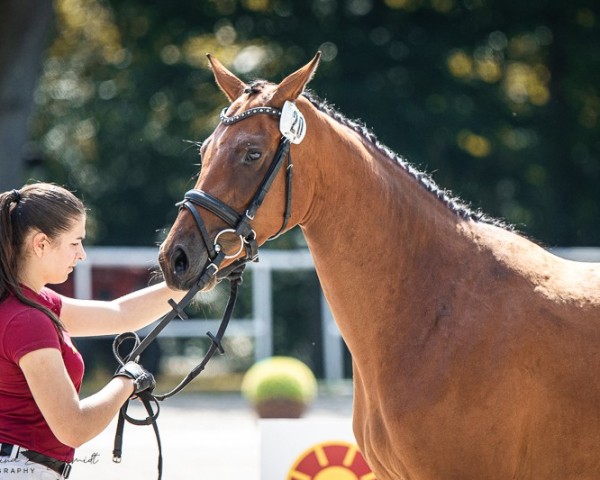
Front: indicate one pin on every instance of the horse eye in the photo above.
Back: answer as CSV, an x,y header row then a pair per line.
x,y
252,156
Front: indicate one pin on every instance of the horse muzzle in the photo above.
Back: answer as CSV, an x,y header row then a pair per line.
x,y
182,264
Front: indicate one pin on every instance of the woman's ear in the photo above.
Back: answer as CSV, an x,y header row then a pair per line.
x,y
39,244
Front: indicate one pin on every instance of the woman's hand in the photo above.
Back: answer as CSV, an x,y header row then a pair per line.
x,y
143,380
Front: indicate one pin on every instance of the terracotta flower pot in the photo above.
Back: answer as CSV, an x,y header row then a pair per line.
x,y
280,408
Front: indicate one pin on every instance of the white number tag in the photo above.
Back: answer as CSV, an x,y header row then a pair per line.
x,y
292,124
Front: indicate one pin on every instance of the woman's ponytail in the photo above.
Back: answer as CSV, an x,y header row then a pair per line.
x,y
43,207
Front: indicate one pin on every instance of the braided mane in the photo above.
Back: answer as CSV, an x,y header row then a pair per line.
x,y
458,206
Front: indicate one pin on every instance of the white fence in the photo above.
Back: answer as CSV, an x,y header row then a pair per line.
x,y
260,325
579,254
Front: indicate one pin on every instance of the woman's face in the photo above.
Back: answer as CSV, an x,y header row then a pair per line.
x,y
64,252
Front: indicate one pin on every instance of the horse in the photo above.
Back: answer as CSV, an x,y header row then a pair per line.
x,y
475,351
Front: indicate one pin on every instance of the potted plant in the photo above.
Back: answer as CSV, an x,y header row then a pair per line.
x,y
279,387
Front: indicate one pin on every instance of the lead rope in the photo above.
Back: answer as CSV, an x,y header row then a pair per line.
x,y
292,127
147,398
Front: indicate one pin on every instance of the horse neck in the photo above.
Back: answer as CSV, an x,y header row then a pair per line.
x,y
368,224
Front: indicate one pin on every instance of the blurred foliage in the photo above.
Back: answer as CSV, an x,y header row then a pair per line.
x,y
279,378
499,97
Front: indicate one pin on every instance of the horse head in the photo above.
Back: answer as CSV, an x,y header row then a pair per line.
x,y
220,221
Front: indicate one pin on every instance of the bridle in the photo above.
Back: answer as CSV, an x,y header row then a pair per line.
x,y
293,128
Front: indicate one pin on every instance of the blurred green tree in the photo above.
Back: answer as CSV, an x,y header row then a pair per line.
x,y
498,97
24,29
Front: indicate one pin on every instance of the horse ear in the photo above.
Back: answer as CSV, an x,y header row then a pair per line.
x,y
231,86
293,85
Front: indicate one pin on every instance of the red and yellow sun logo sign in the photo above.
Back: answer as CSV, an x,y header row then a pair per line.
x,y
331,461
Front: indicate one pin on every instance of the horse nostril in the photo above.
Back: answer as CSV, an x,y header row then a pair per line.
x,y
180,261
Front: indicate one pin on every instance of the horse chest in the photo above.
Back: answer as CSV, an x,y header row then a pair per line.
x,y
428,414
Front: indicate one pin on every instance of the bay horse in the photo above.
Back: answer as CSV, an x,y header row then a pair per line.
x,y
476,352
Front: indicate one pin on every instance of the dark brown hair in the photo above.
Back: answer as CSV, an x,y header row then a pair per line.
x,y
44,207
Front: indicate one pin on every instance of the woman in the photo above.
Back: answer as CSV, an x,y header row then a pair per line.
x,y
42,419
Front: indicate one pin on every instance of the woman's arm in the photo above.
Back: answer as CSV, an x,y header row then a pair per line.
x,y
128,313
72,421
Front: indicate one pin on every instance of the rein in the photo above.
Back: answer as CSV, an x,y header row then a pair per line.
x,y
292,127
